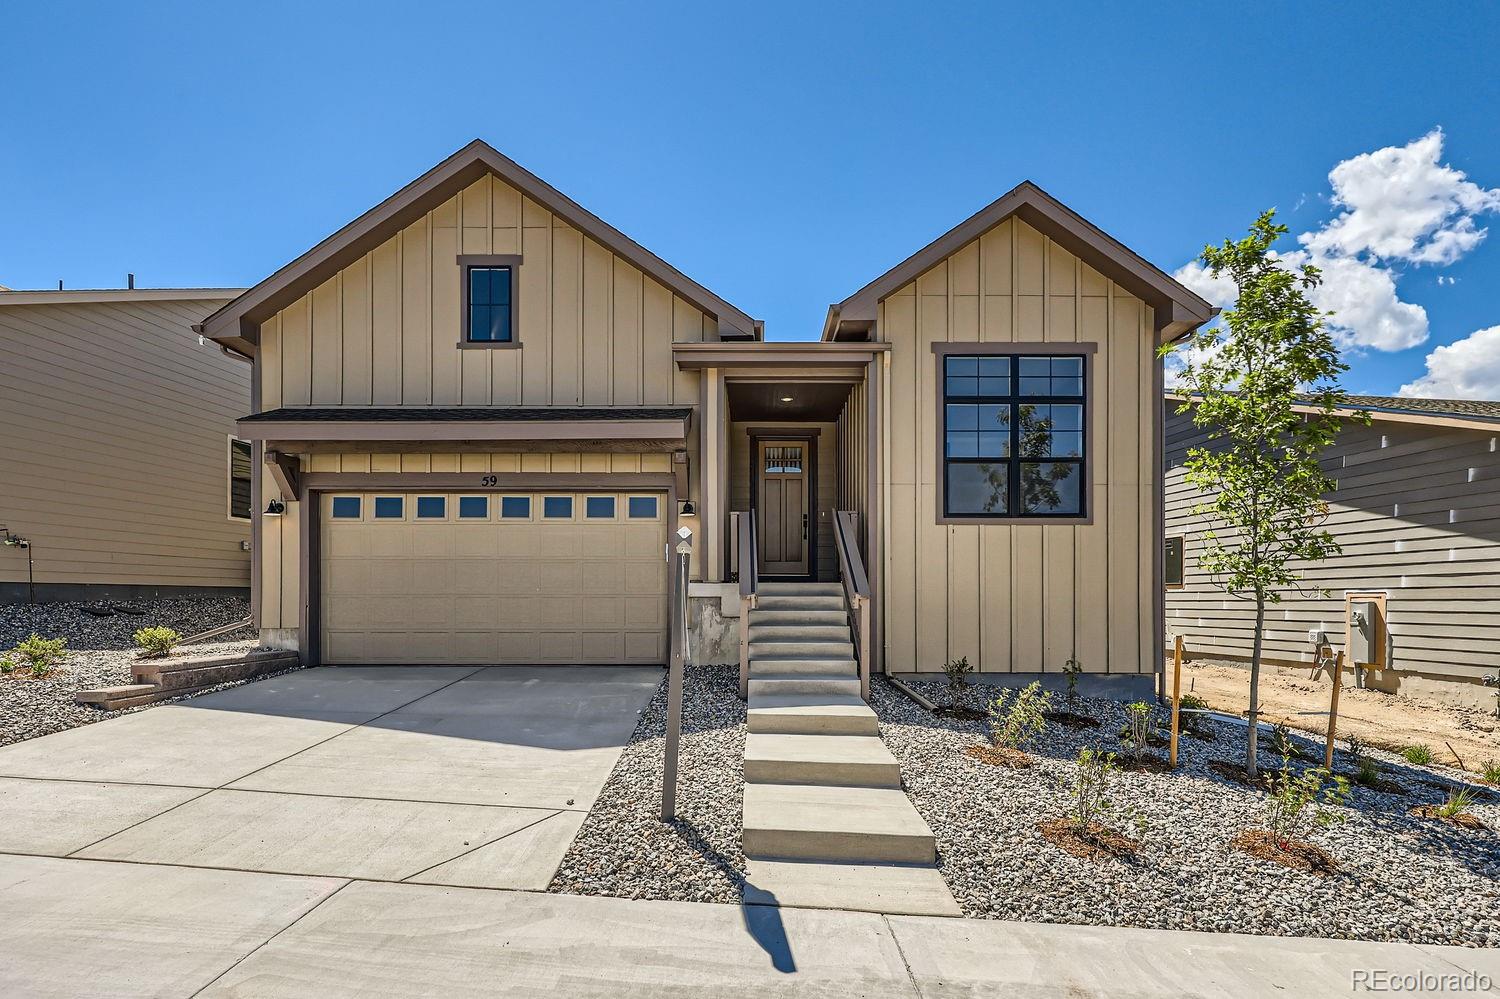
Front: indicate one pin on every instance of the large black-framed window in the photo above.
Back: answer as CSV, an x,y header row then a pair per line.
x,y
240,461
1014,436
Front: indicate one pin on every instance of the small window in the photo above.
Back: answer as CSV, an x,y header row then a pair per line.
x,y
599,507
489,291
346,507
388,508
557,507
1173,568
784,459
239,479
432,507
515,507
474,508
642,508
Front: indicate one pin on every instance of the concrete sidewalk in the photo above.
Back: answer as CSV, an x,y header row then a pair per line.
x,y
73,927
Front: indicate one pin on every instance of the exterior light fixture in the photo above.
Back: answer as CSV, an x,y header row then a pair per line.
x,y
786,398
686,508
275,508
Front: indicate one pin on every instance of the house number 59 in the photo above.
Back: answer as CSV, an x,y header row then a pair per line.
x,y
487,480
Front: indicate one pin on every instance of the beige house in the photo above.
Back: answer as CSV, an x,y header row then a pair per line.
x,y
119,466
480,411
1411,599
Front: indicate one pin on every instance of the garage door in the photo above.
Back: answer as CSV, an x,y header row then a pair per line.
x,y
497,578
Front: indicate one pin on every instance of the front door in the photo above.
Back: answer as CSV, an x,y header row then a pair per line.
x,y
783,509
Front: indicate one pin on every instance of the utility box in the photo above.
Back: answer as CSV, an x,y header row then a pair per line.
x,y
1365,633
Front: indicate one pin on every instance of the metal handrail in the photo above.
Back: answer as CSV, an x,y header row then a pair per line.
x,y
856,590
749,564
678,561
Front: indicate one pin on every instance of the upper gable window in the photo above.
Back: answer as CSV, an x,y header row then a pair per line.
x,y
490,288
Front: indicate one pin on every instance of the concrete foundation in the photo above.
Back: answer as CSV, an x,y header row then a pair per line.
x,y
280,638
713,637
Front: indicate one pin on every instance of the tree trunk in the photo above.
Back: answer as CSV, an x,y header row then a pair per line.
x,y
1254,714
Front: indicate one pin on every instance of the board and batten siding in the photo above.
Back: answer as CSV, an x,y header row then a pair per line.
x,y
1026,598
114,447
1417,512
594,330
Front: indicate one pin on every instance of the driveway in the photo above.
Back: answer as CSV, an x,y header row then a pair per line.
x,y
432,775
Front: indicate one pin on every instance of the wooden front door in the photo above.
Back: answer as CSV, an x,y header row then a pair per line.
x,y
782,512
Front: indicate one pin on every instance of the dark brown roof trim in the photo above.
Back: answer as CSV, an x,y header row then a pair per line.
x,y
448,414
241,318
1177,308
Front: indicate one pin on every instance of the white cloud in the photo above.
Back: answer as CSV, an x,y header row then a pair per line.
x,y
1465,369
1400,206
1400,203
1367,311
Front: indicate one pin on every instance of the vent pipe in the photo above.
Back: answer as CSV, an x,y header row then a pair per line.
x,y
130,281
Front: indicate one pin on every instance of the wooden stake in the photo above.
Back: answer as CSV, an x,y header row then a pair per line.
x,y
1176,694
1333,711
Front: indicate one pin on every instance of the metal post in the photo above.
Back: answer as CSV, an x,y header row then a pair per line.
x,y
678,566
1333,712
1176,696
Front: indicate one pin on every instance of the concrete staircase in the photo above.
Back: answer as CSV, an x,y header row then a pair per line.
x,y
826,822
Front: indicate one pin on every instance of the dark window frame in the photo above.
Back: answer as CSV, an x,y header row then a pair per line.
x,y
1083,349
1166,561
248,448
468,261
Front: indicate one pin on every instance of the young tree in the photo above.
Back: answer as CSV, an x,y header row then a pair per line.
x,y
1261,469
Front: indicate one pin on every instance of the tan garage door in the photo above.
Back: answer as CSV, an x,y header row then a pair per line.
x,y
496,578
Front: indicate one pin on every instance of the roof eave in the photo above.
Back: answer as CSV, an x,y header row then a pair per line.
x,y
241,317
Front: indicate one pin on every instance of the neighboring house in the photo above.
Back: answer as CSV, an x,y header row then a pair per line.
x,y
1412,598
481,411
118,463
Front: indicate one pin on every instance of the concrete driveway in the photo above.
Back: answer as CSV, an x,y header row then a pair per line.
x,y
431,775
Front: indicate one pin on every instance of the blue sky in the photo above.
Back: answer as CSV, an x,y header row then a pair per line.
x,y
782,154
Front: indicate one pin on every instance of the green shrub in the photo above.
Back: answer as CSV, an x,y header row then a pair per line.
x,y
1490,770
1016,722
1285,743
1191,702
1418,754
36,656
1366,770
1299,803
157,641
1072,669
1457,802
1140,728
1091,800
958,678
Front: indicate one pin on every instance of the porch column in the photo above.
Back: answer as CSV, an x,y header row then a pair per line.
x,y
714,475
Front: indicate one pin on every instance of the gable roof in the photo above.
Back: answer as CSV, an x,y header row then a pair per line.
x,y
237,323
1470,414
89,296
1177,309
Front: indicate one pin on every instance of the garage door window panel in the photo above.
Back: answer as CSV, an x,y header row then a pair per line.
x,y
432,508
515,508
557,508
390,507
473,508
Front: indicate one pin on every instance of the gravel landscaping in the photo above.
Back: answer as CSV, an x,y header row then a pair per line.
x,y
625,850
1400,877
101,650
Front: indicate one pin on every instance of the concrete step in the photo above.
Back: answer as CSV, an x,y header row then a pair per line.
x,y
801,666
801,589
781,618
851,824
825,760
804,684
765,601
798,632
842,649
904,889
182,674
811,714
104,697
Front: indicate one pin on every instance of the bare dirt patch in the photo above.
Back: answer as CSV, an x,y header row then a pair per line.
x,y
966,714
1071,720
1236,772
1147,764
1388,721
1093,842
997,756
1296,855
